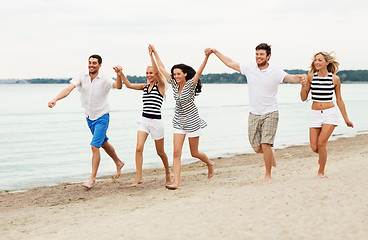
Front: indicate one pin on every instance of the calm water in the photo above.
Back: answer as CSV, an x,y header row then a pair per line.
x,y
42,146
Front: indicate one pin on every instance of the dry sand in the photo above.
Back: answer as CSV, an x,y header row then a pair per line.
x,y
234,204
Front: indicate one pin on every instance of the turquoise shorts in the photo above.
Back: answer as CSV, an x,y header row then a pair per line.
x,y
98,129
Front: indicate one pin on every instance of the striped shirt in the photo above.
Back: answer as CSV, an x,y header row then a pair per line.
x,y
186,113
322,88
152,102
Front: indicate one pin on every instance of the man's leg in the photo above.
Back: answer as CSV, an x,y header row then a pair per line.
x,y
268,159
110,150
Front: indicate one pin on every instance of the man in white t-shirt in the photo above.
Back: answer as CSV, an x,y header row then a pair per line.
x,y
94,88
263,81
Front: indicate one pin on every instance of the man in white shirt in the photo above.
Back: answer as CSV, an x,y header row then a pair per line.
x,y
263,81
94,88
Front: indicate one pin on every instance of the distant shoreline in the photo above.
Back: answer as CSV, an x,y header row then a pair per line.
x,y
346,76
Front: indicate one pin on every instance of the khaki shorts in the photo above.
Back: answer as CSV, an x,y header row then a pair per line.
x,y
262,128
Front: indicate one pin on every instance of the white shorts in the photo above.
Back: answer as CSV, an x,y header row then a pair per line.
x,y
189,134
326,116
153,127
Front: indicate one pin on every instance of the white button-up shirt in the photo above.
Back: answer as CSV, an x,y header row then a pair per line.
x,y
93,94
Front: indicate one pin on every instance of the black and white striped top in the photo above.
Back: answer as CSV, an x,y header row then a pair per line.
x,y
322,88
186,113
152,102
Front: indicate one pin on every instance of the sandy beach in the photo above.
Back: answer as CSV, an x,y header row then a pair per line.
x,y
234,204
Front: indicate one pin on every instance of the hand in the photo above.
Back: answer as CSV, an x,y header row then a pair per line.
x,y
150,51
118,69
208,51
152,48
349,123
303,79
52,103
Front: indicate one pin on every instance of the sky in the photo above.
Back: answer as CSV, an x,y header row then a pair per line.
x,y
54,38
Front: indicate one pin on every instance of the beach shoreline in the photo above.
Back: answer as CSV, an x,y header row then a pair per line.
x,y
235,204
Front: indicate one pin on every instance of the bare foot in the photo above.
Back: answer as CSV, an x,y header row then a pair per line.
x,y
136,182
321,175
172,187
211,170
267,180
118,169
274,159
89,184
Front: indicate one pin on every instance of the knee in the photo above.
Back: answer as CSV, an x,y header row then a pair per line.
x,y
314,148
177,154
195,154
161,153
321,145
258,149
95,149
139,149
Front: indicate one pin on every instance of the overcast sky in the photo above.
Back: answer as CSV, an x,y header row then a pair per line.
x,y
53,38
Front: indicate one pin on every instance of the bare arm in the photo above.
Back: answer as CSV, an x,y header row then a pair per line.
x,y
160,64
121,77
226,60
306,88
156,71
198,74
299,78
118,84
64,93
340,103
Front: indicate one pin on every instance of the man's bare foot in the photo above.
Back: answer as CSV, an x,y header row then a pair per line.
x,y
211,170
118,169
136,182
267,180
172,187
274,159
89,184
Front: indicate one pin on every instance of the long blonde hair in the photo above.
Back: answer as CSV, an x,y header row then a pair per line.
x,y
333,65
162,76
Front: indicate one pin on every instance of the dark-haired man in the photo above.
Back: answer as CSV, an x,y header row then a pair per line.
x,y
263,81
94,88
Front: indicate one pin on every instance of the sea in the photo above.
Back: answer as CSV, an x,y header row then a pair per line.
x,y
44,147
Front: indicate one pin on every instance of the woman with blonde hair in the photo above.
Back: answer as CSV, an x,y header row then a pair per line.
x,y
151,121
323,83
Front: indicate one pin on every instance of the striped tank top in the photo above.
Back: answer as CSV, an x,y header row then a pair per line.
x,y
152,102
322,88
186,113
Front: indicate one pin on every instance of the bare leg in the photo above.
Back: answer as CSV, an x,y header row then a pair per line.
x,y
323,137
178,147
268,158
141,139
96,157
259,150
161,152
194,144
109,149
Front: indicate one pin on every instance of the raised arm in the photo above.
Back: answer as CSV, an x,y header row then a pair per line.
x,y
64,93
156,71
306,88
118,84
121,77
198,74
226,60
160,64
340,103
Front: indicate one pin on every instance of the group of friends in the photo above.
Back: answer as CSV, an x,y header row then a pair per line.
x,y
263,80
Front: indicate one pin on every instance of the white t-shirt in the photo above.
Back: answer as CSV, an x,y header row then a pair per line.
x,y
263,85
93,94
